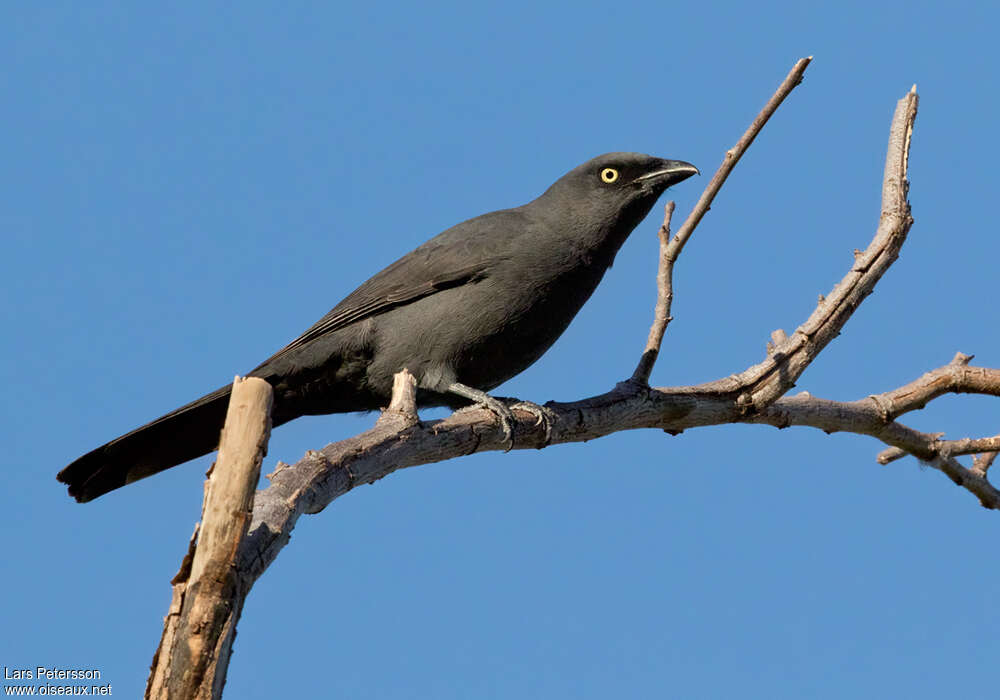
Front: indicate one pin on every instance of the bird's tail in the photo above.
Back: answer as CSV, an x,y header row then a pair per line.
x,y
190,431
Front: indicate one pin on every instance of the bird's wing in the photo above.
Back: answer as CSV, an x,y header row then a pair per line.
x,y
451,259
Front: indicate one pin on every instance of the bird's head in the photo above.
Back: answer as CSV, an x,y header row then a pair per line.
x,y
620,178
605,198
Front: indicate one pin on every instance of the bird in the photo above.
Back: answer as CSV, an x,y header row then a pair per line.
x,y
464,312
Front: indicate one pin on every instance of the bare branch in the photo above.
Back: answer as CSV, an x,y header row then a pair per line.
x,y
209,591
874,416
864,417
969,446
664,298
765,382
733,155
669,252
955,377
402,411
982,463
891,454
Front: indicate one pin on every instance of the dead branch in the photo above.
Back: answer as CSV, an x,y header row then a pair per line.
x,y
209,591
670,249
982,463
664,300
873,415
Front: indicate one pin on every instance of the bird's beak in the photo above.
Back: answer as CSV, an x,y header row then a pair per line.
x,y
670,173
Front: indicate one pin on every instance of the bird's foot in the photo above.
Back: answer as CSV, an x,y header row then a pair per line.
x,y
505,417
500,409
543,417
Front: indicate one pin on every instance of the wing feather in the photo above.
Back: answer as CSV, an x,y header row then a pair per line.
x,y
463,254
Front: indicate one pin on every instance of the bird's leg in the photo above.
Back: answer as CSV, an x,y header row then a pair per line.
x,y
499,408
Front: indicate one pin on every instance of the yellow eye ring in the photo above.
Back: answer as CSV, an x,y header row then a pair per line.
x,y
609,175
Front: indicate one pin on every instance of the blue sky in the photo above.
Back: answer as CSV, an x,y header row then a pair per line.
x,y
187,188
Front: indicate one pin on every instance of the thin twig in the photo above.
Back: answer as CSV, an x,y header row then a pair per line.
x,y
984,449
763,383
982,463
670,252
664,298
942,380
875,416
891,454
863,418
969,446
734,154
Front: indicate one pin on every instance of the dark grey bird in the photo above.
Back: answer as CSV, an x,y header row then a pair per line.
x,y
464,312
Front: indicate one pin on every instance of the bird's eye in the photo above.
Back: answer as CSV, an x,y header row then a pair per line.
x,y
609,175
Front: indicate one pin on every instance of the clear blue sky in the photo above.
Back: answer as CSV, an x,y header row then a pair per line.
x,y
185,188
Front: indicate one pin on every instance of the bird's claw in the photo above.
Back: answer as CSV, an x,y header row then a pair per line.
x,y
505,415
506,418
502,409
543,416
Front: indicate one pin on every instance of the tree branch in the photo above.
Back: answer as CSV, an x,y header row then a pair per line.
x,y
209,590
870,416
670,249
982,463
664,299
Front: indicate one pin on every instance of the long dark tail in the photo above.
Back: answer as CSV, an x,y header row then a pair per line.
x,y
190,431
